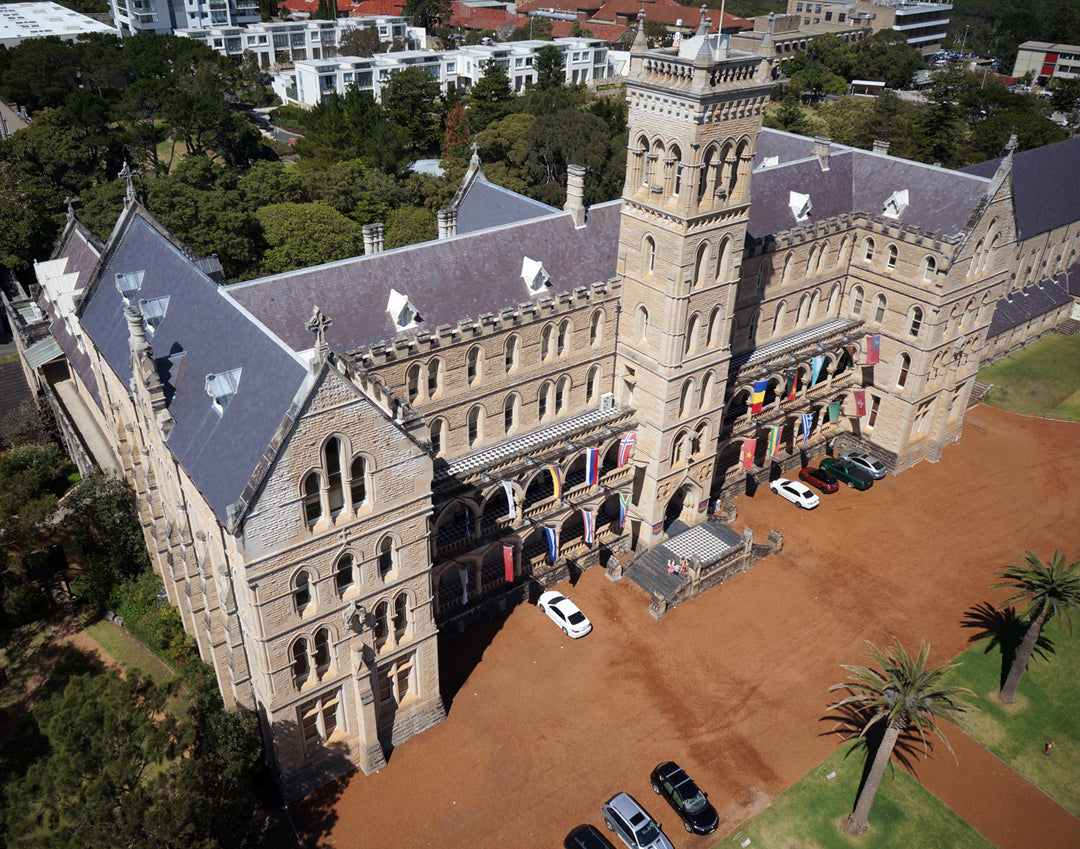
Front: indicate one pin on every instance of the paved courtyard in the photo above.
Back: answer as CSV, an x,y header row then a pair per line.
x,y
733,685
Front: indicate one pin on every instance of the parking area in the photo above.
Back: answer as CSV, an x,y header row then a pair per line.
x,y
733,685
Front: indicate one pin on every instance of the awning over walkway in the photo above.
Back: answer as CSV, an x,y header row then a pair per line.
x,y
43,351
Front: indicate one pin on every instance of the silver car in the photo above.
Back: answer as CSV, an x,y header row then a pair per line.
x,y
624,816
867,462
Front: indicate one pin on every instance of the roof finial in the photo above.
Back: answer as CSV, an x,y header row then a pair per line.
x,y
640,44
70,209
318,324
129,177
475,158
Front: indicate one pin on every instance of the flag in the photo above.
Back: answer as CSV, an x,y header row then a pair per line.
x,y
468,524
511,509
815,367
626,445
464,575
791,378
556,480
508,563
588,519
873,350
759,395
749,446
553,543
807,425
834,411
860,402
592,466
775,435
624,503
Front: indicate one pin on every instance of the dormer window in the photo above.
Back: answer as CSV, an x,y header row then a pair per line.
x,y
128,284
535,276
769,162
800,205
402,312
896,204
153,311
221,387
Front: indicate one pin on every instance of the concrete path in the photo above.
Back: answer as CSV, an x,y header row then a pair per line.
x,y
1002,806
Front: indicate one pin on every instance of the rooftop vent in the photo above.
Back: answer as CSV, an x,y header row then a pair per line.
x,y
222,387
402,313
535,275
153,311
128,284
800,205
896,204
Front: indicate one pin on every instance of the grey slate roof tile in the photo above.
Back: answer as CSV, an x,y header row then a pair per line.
x,y
487,205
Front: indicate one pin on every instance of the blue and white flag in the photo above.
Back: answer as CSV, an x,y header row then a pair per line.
x,y
815,366
511,511
553,542
807,424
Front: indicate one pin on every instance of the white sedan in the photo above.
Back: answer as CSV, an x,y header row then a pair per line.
x,y
795,492
564,613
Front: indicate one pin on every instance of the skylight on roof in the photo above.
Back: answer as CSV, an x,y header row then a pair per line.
x,y
800,205
153,311
535,275
221,387
896,204
129,283
402,312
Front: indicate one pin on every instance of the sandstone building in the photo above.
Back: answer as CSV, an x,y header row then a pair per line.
x,y
336,465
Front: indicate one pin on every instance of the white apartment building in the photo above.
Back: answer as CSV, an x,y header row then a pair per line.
x,y
279,42
20,21
167,16
586,60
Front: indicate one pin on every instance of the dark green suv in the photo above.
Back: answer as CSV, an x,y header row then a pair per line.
x,y
847,472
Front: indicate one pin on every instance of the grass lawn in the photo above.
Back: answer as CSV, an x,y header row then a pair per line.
x,y
1047,707
129,652
1041,377
809,814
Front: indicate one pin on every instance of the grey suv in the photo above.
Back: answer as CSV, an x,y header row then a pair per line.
x,y
624,816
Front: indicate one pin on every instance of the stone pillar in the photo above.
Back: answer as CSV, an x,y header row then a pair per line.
x,y
575,194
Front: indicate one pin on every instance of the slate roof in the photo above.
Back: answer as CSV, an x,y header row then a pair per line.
x,y
487,205
1022,306
219,452
445,280
1046,185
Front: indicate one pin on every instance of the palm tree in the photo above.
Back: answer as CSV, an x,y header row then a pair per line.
x,y
1045,590
905,694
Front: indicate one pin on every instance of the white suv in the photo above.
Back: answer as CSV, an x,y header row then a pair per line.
x,y
632,823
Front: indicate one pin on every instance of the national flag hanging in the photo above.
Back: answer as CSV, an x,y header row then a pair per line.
x,y
511,509
860,402
508,563
464,575
873,350
816,365
626,445
775,435
592,466
749,446
759,395
834,411
588,519
552,541
556,480
791,380
807,425
624,503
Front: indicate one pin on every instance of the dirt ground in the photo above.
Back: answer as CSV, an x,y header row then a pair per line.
x,y
733,685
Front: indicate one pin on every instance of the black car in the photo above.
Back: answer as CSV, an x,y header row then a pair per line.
x,y
671,781
587,837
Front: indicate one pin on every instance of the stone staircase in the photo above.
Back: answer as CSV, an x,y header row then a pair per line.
x,y
649,570
1069,327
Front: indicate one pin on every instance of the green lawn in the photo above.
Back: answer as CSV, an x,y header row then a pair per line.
x,y
1042,377
1047,707
809,814
132,654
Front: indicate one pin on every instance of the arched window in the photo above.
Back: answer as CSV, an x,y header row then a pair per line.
x,y
332,460
723,260
821,257
916,322
976,257
472,364
707,382
386,556
475,422
358,481
879,309
785,275
401,614
893,256
841,251
811,263
868,250
804,310
703,180
642,323
592,385
300,664
701,439
344,573
322,652
596,327
312,504
301,591
412,381
562,395
834,299
438,437
434,378
647,161
545,400
856,300
693,328
902,374
564,338
929,269
989,255
676,166
382,622
545,342
700,263
715,323
751,326
510,353
511,411
762,273
648,256
678,449
778,319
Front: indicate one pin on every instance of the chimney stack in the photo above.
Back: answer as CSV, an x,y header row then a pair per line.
x,y
881,145
821,151
373,238
575,193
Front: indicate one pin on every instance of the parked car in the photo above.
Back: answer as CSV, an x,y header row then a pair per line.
x,y
671,781
847,472
867,462
798,494
564,613
624,816
587,837
819,478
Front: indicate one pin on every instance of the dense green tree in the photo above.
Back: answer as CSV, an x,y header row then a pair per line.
x,y
100,206
569,137
887,56
303,234
428,13
32,478
549,64
789,116
271,182
990,137
814,80
411,101
490,98
656,33
352,126
40,72
1044,591
361,41
407,225
904,695
538,29
31,213
1065,94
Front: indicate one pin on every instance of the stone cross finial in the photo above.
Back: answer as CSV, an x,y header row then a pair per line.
x,y
475,158
128,176
69,202
317,324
